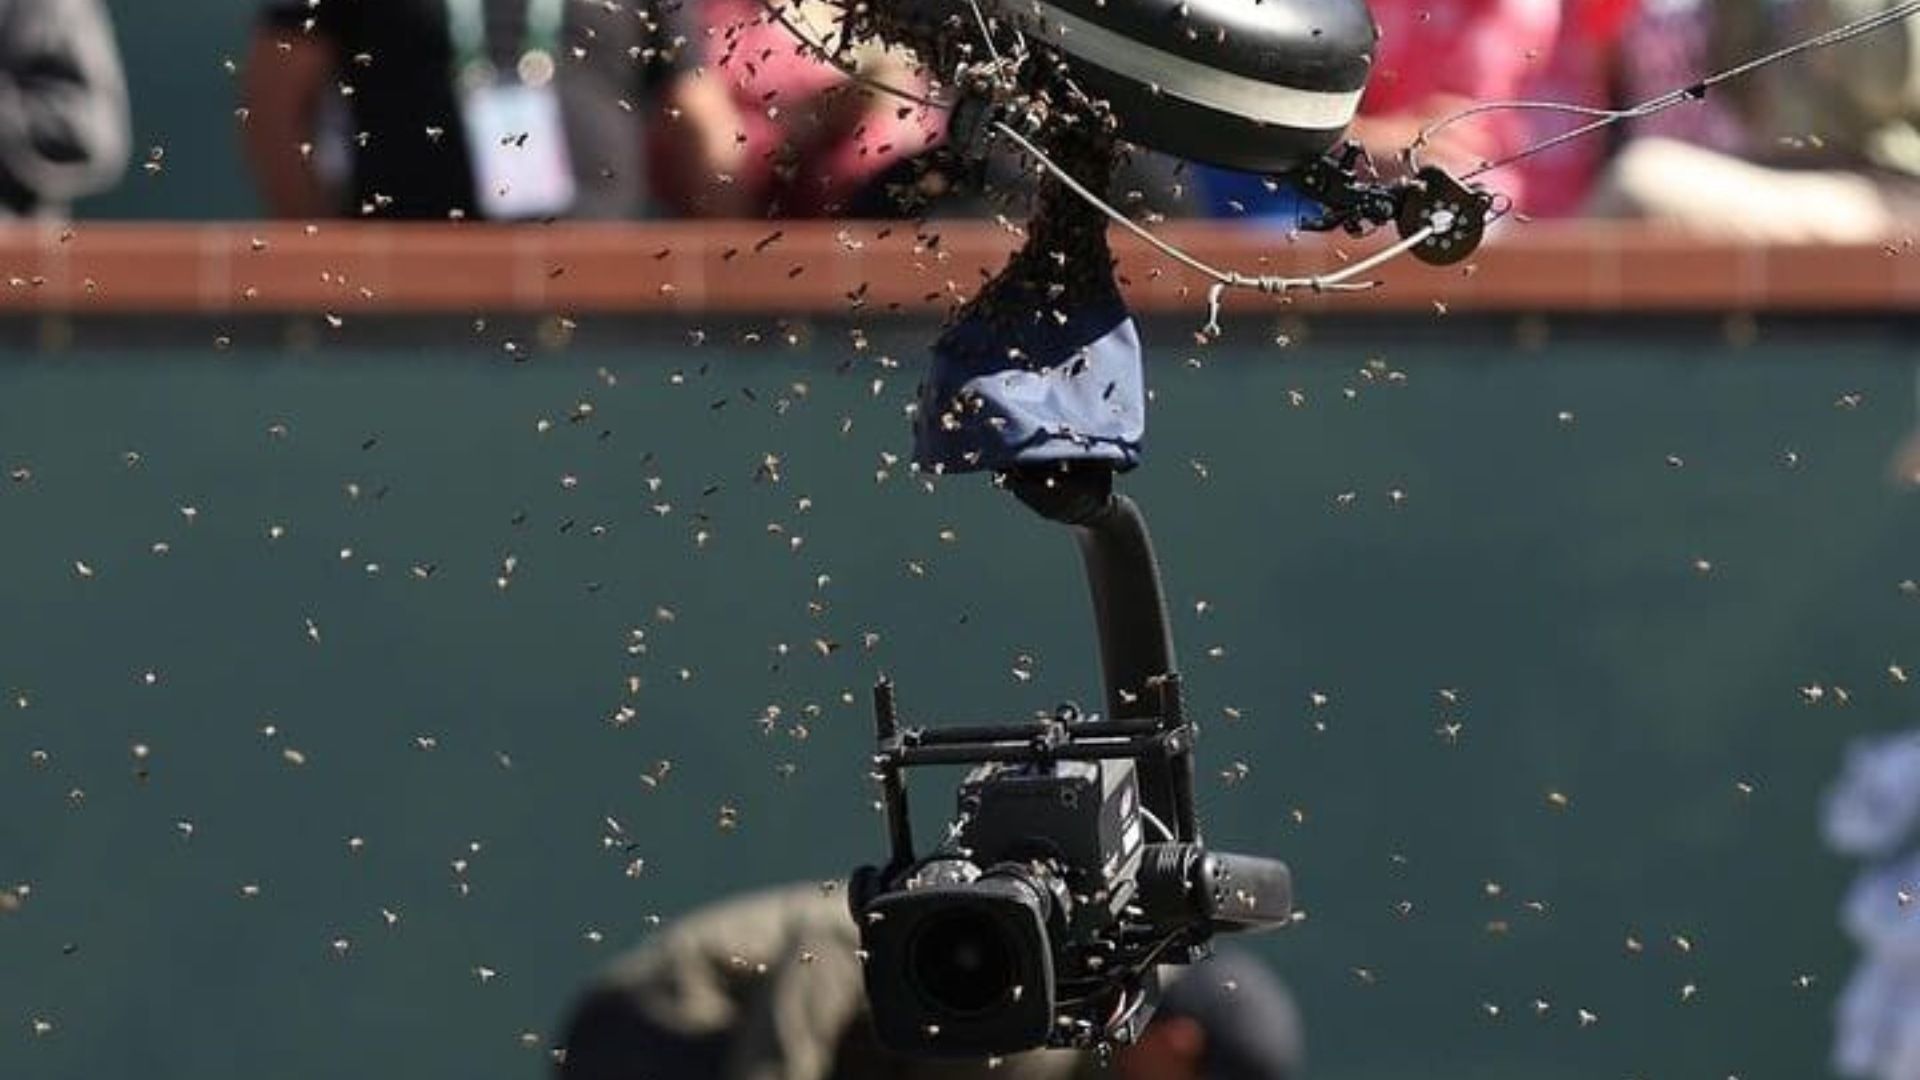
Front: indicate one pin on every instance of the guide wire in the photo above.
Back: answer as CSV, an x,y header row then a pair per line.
x,y
1342,280
1338,281
1222,279
1695,91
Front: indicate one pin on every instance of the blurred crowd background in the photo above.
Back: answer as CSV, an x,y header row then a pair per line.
x,y
211,109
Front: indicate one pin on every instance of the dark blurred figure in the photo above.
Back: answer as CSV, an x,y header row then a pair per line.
x,y
1825,148
493,109
768,986
63,113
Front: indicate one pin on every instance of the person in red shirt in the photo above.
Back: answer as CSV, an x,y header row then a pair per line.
x,y
1584,69
1435,58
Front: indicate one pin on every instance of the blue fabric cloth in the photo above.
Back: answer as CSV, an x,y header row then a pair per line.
x,y
1031,389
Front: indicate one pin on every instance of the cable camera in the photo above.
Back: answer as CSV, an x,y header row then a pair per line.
x,y
1073,868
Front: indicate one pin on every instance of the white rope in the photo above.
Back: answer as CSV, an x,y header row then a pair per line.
x,y
1338,281
1342,280
1603,118
1471,111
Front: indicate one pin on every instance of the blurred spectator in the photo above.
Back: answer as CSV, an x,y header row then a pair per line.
x,y
1668,44
769,986
1873,814
1830,149
810,137
63,109
1435,58
1906,459
1583,68
496,109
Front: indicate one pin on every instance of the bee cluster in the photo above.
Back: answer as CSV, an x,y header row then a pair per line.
x,y
995,76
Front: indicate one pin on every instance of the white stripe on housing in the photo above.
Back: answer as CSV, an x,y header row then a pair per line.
x,y
1286,106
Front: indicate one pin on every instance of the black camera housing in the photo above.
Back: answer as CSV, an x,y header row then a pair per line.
x,y
975,941
1044,918
976,967
1074,870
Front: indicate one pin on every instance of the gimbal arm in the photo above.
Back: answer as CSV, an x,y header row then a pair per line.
x,y
1130,615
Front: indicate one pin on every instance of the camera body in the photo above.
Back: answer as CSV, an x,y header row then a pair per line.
x,y
1044,917
1017,911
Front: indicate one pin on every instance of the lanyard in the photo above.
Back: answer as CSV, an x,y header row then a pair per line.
x,y
467,24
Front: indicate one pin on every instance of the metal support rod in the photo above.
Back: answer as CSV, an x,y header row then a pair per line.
x,y
1173,713
893,783
1150,753
1129,608
1136,642
1129,611
967,733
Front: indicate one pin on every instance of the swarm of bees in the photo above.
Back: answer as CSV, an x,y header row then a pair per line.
x,y
1063,259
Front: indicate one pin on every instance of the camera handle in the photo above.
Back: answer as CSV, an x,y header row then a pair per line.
x,y
1130,616
1184,894
1146,716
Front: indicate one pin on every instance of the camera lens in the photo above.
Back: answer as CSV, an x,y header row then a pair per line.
x,y
961,962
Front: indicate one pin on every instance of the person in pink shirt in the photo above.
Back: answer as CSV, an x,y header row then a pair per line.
x,y
810,137
1435,58
1583,69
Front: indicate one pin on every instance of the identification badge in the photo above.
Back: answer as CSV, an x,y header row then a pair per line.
x,y
518,146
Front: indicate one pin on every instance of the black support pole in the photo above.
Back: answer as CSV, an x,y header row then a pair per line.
x,y
1130,614
893,780
1136,647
